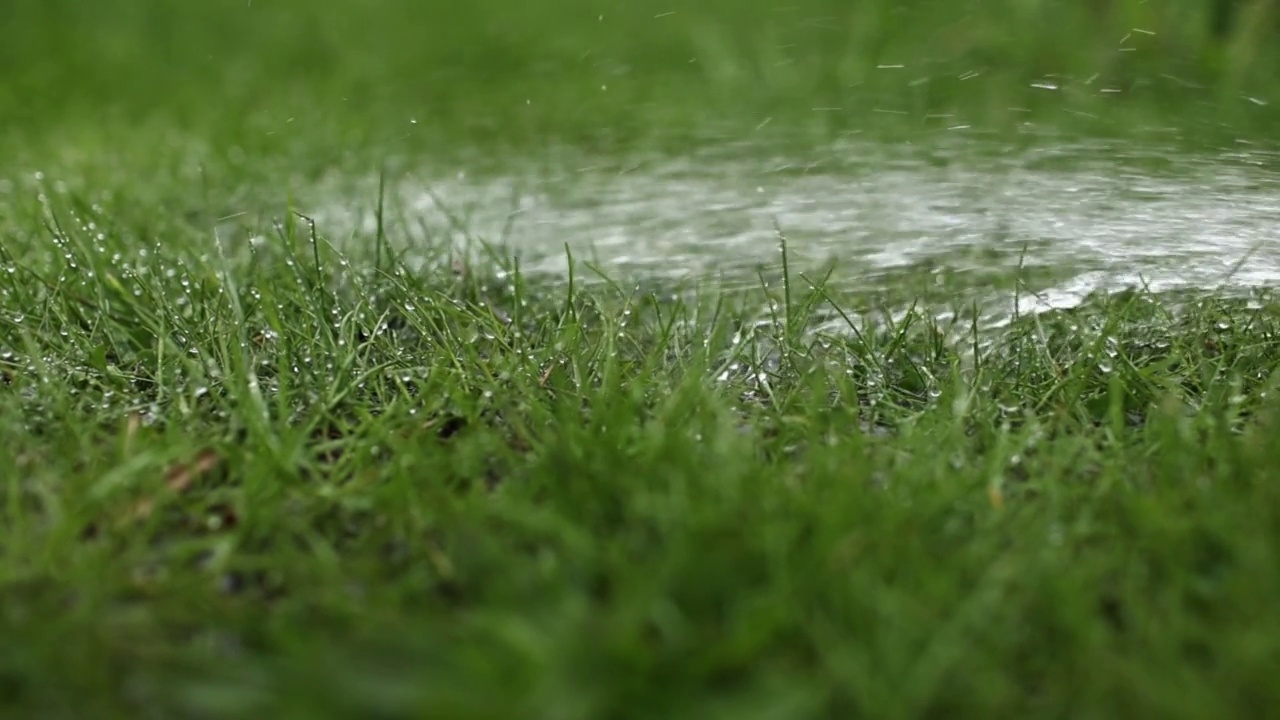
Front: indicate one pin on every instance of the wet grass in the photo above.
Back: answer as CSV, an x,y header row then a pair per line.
x,y
244,479
251,469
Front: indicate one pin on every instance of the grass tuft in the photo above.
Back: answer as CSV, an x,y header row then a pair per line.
x,y
297,477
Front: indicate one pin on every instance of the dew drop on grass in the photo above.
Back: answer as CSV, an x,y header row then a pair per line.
x,y
1105,365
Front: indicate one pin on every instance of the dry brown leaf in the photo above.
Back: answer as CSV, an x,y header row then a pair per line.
x,y
179,478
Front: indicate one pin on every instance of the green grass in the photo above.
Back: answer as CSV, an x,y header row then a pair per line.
x,y
312,82
252,469
242,482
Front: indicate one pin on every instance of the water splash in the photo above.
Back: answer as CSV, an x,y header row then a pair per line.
x,y
1104,216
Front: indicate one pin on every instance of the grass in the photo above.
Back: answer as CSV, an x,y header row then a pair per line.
x,y
252,466
282,80
279,478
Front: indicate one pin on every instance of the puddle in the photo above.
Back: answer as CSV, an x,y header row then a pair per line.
x,y
1104,217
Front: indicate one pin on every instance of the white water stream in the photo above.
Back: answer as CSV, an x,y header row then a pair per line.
x,y
1100,214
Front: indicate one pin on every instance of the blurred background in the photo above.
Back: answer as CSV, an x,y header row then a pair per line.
x,y
615,73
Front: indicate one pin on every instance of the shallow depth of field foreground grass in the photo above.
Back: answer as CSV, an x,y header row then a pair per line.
x,y
242,480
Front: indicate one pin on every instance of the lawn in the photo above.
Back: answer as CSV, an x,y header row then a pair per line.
x,y
255,466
